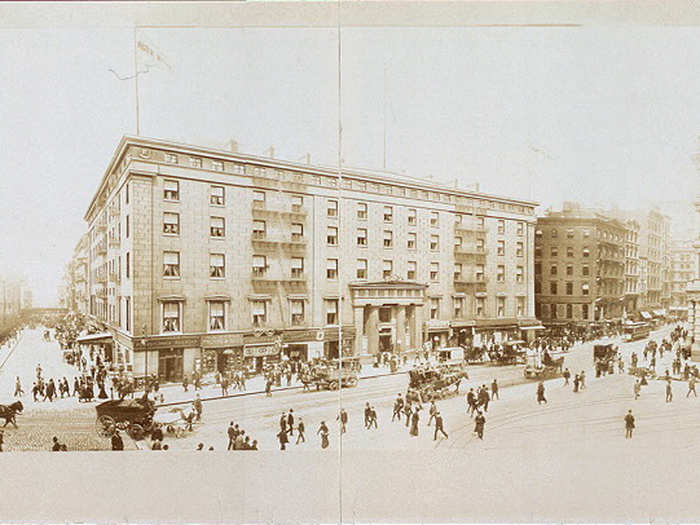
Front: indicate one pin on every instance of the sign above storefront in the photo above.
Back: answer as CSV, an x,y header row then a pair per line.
x,y
222,340
260,350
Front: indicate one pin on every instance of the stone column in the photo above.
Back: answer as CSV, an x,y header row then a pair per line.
x,y
417,328
359,322
373,330
401,329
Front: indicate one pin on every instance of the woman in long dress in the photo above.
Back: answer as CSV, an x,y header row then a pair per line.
x,y
323,430
414,423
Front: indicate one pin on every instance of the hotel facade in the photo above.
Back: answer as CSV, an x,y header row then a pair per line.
x,y
204,260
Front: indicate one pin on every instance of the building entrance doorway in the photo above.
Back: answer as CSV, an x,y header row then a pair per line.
x,y
170,365
385,343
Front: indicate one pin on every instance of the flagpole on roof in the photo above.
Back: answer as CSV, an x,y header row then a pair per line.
x,y
136,85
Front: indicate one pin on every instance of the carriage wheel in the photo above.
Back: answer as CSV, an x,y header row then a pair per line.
x,y
170,429
105,426
135,432
333,385
352,381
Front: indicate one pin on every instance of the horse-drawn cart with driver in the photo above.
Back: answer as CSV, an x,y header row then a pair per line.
x,y
135,416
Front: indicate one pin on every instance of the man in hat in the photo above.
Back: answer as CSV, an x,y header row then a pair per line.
x,y
398,405
669,392
438,426
231,431
480,421
691,387
629,425
290,422
197,405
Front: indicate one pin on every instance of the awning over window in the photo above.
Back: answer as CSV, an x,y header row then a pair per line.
x,y
102,337
645,315
660,312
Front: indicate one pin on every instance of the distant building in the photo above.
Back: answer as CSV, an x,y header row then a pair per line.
x,y
203,259
580,266
682,273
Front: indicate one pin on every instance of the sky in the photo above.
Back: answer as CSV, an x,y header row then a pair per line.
x,y
602,115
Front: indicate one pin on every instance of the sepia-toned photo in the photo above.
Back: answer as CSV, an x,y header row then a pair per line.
x,y
420,262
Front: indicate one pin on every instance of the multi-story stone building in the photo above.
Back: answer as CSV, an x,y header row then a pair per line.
x,y
682,273
202,259
11,293
76,288
632,266
579,266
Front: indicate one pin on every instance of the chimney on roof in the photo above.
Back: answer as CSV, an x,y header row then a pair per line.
x,y
232,146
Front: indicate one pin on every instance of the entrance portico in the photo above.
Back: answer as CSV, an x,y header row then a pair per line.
x,y
388,315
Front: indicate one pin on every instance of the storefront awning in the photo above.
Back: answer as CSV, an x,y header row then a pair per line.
x,y
660,312
645,315
678,308
533,327
102,337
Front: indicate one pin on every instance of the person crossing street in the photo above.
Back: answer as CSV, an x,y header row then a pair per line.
x,y
669,392
540,394
438,426
629,425
691,387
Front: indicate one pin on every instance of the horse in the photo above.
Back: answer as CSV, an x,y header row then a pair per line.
x,y
8,412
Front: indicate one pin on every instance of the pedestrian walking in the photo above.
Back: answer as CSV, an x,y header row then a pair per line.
x,y
407,410
373,417
18,388
540,394
323,431
300,431
582,380
343,418
117,442
268,388
479,423
290,422
438,426
629,425
577,380
231,436
494,390
691,387
185,382
398,405
669,392
415,418
283,423
471,402
197,405
433,411
484,398
282,437
367,414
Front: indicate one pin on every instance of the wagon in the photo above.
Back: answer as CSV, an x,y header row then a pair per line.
x,y
435,383
135,416
329,377
549,369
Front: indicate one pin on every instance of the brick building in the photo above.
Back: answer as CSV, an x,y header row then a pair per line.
x,y
75,295
682,272
203,259
579,266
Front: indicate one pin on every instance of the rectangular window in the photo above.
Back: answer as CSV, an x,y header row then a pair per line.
x,y
217,267
501,227
171,316
553,288
501,273
259,265
331,311
458,242
387,268
554,251
569,270
128,266
458,305
216,195
411,271
434,219
479,273
481,222
388,238
258,310
411,241
297,267
501,306
126,194
434,242
538,287
217,315
297,202
217,165
171,223
584,289
519,249
171,264
520,305
434,271
553,270
362,236
586,252
569,288
569,251
259,229
585,270
362,211
258,199
332,210
296,307
412,216
216,226
361,269
434,307
501,248
480,302
297,231
331,268
195,162
569,311
584,311
570,233
538,251
171,190
521,229
480,245
519,272
332,236
388,213
458,271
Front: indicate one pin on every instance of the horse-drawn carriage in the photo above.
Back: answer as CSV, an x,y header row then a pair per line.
x,y
428,384
549,368
135,416
328,376
508,354
604,357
